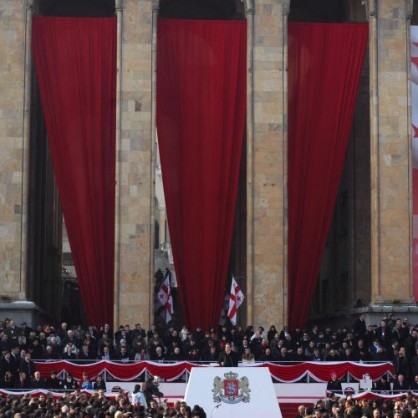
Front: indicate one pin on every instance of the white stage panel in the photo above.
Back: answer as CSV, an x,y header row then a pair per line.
x,y
223,392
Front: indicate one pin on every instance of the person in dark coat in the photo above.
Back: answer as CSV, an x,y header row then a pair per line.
x,y
8,381
99,383
69,384
359,326
37,381
150,389
382,385
23,382
228,358
53,382
400,385
334,385
414,384
28,366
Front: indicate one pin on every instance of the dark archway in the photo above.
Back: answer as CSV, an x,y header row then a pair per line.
x,y
201,9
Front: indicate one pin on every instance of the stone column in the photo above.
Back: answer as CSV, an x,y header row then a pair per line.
x,y
391,188
134,166
266,162
15,35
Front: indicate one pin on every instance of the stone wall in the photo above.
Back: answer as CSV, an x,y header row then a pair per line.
x,y
13,147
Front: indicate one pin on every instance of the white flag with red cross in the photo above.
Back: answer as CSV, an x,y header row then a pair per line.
x,y
166,300
236,298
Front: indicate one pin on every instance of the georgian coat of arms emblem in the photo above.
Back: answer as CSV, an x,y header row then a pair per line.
x,y
231,389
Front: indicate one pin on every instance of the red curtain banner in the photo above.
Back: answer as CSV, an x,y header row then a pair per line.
x,y
414,151
324,68
201,105
75,62
320,371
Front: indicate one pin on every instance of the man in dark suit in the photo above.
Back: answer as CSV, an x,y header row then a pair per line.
x,y
27,366
414,384
382,385
23,382
334,385
37,382
228,358
400,385
9,363
359,326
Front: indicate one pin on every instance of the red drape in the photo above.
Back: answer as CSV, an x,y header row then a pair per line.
x,y
324,67
75,61
319,371
201,102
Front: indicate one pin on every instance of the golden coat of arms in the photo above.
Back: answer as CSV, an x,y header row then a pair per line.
x,y
231,389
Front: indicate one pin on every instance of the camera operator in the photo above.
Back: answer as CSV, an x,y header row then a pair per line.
x,y
150,389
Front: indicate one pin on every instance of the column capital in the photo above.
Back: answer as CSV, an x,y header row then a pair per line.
x,y
371,8
249,7
286,7
155,5
409,9
119,5
29,4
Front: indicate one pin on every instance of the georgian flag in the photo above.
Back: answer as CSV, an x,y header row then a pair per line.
x,y
236,297
166,300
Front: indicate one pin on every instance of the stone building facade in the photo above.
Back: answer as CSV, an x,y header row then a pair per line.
x,y
367,265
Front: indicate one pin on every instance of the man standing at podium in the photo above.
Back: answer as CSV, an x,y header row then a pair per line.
x,y
228,358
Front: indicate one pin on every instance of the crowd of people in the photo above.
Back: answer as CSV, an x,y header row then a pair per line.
x,y
79,405
347,407
393,339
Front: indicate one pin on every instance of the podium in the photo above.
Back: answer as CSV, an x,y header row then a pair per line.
x,y
223,392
